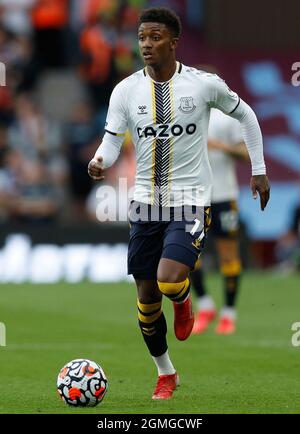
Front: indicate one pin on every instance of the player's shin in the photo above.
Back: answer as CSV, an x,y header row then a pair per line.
x,y
231,273
153,327
227,321
206,306
179,293
154,330
197,280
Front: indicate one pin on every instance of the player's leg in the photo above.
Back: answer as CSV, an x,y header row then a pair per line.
x,y
152,321
153,327
144,252
230,266
205,304
226,232
197,280
173,282
183,242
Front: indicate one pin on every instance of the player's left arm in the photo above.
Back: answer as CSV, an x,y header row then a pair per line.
x,y
226,100
259,182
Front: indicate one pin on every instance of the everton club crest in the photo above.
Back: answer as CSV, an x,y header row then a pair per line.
x,y
187,104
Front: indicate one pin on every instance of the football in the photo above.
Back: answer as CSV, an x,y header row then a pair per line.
x,y
82,382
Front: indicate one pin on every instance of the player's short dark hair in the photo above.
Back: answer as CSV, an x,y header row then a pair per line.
x,y
163,16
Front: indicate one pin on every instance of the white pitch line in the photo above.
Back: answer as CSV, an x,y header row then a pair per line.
x,y
56,346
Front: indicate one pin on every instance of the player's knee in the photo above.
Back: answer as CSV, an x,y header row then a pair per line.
x,y
231,267
170,276
148,291
172,271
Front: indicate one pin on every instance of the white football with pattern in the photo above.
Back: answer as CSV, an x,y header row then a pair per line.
x,y
82,382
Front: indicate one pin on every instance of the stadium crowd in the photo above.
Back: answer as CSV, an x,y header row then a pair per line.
x,y
62,59
47,132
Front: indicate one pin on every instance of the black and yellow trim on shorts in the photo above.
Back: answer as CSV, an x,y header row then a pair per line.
x,y
207,218
198,243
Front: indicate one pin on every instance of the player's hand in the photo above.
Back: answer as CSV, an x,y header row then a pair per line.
x,y
95,169
260,184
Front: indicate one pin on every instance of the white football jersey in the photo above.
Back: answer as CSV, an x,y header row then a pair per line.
x,y
227,130
168,123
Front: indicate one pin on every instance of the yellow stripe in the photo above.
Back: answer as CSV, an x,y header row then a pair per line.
x,y
233,268
119,135
154,141
207,218
233,205
183,292
148,308
153,170
174,288
149,319
198,264
153,102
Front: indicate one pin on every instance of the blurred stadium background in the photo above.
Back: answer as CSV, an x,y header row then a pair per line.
x,y
62,59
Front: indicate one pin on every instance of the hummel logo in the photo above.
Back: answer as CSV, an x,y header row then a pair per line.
x,y
142,109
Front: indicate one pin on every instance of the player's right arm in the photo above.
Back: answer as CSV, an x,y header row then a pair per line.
x,y
115,127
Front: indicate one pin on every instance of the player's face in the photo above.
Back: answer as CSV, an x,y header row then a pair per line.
x,y
156,43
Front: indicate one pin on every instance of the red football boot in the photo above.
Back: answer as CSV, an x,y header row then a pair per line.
x,y
203,319
183,318
165,386
226,326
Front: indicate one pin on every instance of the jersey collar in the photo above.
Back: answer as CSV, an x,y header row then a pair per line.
x,y
177,71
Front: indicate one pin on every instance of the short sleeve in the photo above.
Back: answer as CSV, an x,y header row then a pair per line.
x,y
218,95
116,120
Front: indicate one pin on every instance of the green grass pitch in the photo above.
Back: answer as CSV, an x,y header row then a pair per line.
x,y
254,371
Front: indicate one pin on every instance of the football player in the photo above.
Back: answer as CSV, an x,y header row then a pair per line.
x,y
166,107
